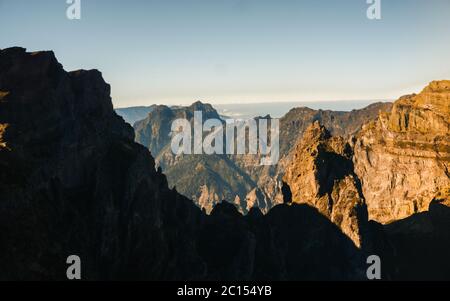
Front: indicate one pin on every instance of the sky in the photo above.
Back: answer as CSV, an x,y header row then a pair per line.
x,y
241,51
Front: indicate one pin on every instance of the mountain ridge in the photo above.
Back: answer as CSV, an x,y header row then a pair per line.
x,y
262,186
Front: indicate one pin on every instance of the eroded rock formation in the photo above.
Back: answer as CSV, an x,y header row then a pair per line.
x,y
403,157
321,175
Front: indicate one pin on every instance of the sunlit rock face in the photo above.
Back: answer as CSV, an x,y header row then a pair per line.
x,y
403,157
395,166
321,175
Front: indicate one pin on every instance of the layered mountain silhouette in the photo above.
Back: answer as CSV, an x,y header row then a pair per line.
x,y
74,182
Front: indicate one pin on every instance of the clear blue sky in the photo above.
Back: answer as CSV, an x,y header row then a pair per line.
x,y
226,51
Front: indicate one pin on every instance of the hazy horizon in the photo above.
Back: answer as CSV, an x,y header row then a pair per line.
x,y
149,103
277,109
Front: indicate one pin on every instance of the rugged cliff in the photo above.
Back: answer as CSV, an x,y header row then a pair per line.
x,y
292,127
396,165
403,157
321,175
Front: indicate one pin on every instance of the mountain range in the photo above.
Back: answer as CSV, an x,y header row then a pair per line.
x,y
238,179
74,181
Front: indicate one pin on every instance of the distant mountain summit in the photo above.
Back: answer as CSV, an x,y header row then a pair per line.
x,y
216,177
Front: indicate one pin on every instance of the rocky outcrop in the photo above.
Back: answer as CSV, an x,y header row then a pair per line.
x,y
321,175
403,157
292,126
344,124
396,165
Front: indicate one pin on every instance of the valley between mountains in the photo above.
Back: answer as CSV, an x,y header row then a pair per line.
x,y
238,179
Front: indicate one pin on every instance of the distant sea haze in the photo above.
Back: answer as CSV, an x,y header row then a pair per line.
x,y
251,110
279,109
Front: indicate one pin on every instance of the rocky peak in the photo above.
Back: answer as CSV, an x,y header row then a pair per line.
x,y
425,113
316,132
161,109
154,132
200,106
321,175
39,97
207,110
438,86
